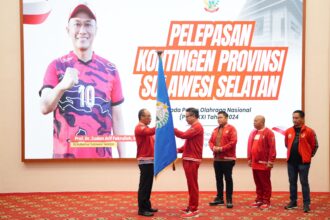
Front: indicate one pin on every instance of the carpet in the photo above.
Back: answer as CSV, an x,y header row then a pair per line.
x,y
123,205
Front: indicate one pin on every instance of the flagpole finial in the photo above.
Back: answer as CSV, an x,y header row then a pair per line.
x,y
160,52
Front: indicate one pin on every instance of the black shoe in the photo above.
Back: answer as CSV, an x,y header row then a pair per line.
x,y
153,210
291,205
306,208
217,201
230,204
146,213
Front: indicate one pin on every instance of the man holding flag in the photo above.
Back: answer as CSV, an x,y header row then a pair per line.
x,y
192,156
145,155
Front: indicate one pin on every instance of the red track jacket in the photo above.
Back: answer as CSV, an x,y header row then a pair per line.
x,y
193,146
307,143
228,142
145,141
266,147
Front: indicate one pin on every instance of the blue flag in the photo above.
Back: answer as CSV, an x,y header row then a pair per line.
x,y
165,146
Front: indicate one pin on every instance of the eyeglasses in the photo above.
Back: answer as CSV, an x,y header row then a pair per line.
x,y
77,25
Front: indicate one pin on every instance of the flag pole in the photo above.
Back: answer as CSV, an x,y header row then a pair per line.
x,y
159,53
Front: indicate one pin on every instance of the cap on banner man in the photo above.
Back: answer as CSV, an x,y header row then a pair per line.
x,y
223,144
83,91
261,157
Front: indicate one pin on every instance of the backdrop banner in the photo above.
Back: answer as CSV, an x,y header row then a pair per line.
x,y
243,57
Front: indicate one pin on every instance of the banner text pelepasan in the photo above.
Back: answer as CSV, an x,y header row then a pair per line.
x,y
213,60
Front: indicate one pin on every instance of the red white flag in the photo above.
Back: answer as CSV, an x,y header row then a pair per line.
x,y
35,11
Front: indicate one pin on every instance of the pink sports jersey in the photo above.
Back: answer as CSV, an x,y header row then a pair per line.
x,y
85,109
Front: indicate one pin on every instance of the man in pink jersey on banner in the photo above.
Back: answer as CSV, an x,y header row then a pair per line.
x,y
83,91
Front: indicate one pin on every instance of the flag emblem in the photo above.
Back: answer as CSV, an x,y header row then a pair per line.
x,y
161,114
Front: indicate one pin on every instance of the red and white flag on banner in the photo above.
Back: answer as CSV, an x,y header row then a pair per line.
x,y
35,11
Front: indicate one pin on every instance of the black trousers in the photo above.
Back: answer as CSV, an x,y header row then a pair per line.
x,y
224,169
145,186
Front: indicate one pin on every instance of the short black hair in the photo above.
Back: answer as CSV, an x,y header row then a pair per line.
x,y
193,111
300,112
141,113
223,113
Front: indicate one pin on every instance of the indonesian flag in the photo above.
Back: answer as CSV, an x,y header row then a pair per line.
x,y
279,129
35,11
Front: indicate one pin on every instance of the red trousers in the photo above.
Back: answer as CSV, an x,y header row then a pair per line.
x,y
191,171
263,185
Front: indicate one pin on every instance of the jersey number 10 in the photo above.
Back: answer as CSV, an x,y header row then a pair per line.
x,y
87,96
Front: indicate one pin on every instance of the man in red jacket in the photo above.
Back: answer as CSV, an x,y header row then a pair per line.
x,y
192,156
302,145
145,155
223,144
261,157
